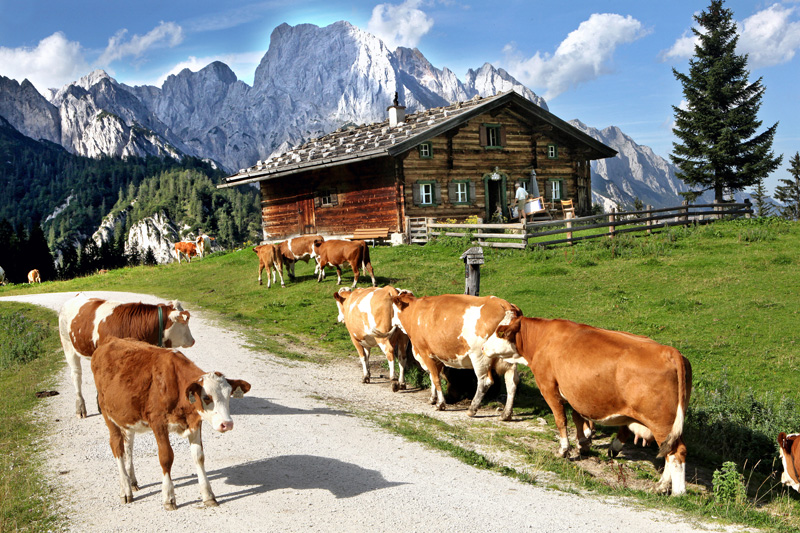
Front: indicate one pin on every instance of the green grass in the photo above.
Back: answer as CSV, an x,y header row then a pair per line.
x,y
724,294
27,502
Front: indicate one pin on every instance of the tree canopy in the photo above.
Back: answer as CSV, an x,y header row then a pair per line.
x,y
719,146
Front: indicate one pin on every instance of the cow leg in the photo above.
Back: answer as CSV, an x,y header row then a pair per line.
x,y
196,444
356,273
339,275
584,442
553,398
129,459
511,377
260,270
321,274
279,270
165,458
290,270
484,374
437,396
674,476
623,434
400,348
371,274
74,362
387,348
363,355
117,442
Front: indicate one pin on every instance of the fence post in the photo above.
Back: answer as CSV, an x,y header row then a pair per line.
x,y
685,210
428,222
473,259
612,218
568,218
648,214
717,211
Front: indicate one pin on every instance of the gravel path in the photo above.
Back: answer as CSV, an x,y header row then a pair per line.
x,y
295,464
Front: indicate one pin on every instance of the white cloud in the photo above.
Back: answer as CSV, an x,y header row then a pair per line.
x,y
54,62
768,37
166,34
399,25
583,56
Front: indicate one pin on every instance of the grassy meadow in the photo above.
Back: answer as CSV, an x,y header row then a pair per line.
x,y
724,294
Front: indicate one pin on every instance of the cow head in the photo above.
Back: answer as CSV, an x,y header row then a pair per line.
x,y
176,329
509,332
210,395
341,296
399,304
789,447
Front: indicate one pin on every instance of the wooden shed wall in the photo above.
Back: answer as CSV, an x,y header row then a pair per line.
x,y
365,196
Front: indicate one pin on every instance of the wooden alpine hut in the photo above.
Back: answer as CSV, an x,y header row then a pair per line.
x,y
451,162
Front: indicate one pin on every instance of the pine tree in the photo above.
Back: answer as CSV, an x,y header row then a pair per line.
x,y
719,146
764,207
789,192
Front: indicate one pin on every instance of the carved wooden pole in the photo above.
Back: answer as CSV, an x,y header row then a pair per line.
x,y
649,222
473,259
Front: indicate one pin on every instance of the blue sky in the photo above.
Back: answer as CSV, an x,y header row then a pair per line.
x,y
603,62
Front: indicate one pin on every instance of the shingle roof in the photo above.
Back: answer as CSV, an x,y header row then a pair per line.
x,y
367,141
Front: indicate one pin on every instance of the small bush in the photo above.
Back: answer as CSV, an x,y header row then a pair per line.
x,y
729,485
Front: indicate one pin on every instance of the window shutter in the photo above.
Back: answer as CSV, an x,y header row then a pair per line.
x,y
471,192
415,194
451,192
484,141
334,197
502,135
317,200
437,193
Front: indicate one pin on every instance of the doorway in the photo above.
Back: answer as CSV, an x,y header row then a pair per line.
x,y
305,216
494,186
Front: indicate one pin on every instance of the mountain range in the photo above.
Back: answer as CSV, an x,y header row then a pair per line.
x,y
311,81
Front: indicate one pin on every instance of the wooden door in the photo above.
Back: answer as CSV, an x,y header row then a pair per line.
x,y
305,216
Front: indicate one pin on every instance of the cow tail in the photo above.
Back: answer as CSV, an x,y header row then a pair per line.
x,y
684,392
381,335
365,260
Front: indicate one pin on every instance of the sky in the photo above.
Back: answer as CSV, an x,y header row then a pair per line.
x,y
602,62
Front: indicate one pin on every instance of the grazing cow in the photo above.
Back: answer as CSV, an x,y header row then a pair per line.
x,y
85,323
186,249
34,277
337,253
2,276
141,387
269,257
611,378
367,313
458,330
298,249
789,447
203,243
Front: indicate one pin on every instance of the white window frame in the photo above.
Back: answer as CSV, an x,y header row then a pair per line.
x,y
426,193
425,151
492,136
555,190
462,192
552,151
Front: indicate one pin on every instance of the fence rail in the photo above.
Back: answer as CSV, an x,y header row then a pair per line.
x,y
616,222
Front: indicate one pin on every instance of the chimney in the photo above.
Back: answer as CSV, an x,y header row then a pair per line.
x,y
397,113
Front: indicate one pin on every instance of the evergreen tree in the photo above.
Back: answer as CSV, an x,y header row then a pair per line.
x,y
764,207
789,192
149,257
719,146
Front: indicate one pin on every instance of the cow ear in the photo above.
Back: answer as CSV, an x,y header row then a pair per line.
x,y
339,298
399,302
240,387
193,391
509,332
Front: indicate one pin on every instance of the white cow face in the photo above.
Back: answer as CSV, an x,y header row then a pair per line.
x,y
177,334
211,396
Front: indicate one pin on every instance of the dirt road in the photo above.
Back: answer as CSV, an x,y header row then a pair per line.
x,y
293,463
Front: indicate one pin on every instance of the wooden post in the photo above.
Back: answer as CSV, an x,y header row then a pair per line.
x,y
473,259
568,218
612,218
685,210
648,214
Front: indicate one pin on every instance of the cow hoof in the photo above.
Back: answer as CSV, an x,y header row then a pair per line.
x,y
126,499
395,386
440,407
211,503
470,412
505,417
171,506
259,282
365,380
564,453
135,486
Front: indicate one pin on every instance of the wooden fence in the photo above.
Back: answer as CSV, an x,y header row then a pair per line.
x,y
519,235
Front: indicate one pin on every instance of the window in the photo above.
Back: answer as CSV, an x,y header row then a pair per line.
x,y
426,150
554,186
427,193
492,136
461,192
326,198
552,151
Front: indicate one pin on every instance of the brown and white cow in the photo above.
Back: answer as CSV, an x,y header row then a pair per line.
x,y
336,253
298,249
612,378
142,388
203,244
269,257
34,277
789,447
2,276
458,331
85,323
367,313
185,249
